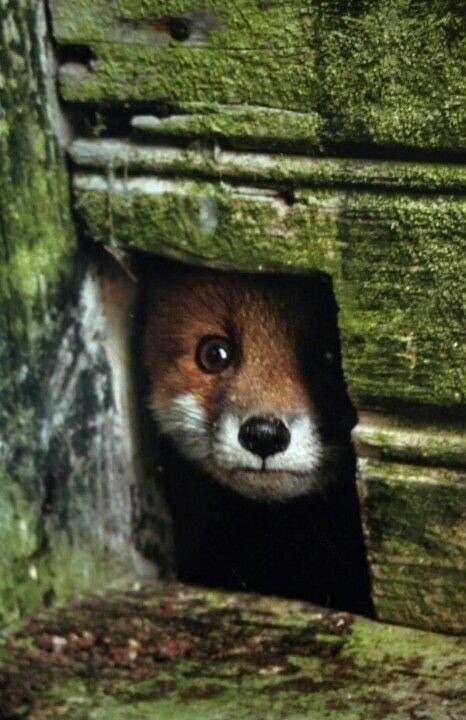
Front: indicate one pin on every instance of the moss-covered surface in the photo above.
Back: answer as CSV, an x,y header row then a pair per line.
x,y
387,74
38,558
250,53
182,653
395,261
414,521
424,444
242,126
40,564
129,157
231,71
393,71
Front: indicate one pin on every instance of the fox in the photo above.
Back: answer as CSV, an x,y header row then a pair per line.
x,y
245,376
241,374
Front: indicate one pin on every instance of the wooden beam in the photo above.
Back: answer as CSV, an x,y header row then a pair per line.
x,y
375,76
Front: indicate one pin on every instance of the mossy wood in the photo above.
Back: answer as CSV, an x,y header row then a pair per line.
x,y
136,154
394,258
36,252
412,489
63,468
314,75
413,442
397,263
181,653
414,520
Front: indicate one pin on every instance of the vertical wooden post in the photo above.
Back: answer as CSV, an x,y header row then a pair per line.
x,y
66,455
36,249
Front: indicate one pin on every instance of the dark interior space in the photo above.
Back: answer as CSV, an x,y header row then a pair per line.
x,y
310,547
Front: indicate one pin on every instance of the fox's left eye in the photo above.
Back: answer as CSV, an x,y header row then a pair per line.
x,y
213,354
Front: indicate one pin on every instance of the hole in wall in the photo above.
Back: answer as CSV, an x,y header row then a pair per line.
x,y
79,54
180,28
277,512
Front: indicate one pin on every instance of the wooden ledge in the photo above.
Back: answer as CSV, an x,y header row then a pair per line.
x,y
178,652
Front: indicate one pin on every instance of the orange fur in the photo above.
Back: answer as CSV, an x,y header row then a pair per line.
x,y
282,332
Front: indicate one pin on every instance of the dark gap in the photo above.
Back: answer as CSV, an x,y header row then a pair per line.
x,y
419,415
394,152
81,54
180,28
110,121
49,597
310,547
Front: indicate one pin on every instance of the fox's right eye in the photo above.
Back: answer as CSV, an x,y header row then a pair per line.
x,y
213,354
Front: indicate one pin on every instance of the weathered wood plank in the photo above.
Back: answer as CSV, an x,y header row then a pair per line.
x,y
373,74
240,126
182,653
395,261
412,487
129,157
65,446
414,520
36,254
416,442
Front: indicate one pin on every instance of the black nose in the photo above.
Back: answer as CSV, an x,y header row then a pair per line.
x,y
264,436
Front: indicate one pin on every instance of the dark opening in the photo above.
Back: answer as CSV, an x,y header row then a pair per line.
x,y
308,547
80,54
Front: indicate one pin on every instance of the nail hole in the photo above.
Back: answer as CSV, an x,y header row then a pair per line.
x,y
179,28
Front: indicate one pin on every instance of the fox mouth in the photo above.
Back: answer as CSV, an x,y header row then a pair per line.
x,y
266,471
269,485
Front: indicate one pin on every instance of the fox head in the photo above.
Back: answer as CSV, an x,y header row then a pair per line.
x,y
245,375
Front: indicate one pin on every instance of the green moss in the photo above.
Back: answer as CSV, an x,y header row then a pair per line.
x,y
393,72
400,254
38,559
431,446
385,74
243,127
38,236
248,658
17,526
38,563
294,171
229,79
395,261
219,225
414,525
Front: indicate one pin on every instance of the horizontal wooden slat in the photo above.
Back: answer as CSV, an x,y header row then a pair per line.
x,y
127,157
397,264
373,74
239,126
181,653
421,443
414,520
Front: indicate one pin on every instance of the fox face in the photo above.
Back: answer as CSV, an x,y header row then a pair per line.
x,y
245,376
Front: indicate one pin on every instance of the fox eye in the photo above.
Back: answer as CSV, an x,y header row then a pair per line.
x,y
213,354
